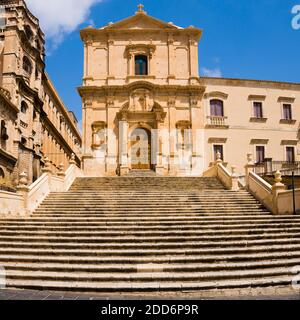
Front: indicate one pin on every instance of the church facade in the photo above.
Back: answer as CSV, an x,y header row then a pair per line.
x,y
146,107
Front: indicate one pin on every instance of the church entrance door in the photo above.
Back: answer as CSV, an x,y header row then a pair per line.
x,y
140,146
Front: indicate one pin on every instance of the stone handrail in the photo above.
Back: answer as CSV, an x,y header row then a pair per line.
x,y
38,191
275,198
9,201
27,199
261,190
228,179
285,201
71,174
224,176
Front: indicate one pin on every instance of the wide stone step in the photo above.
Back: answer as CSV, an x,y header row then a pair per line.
x,y
171,205
148,259
78,219
146,239
158,245
148,276
151,252
158,227
139,233
145,221
173,286
149,267
95,213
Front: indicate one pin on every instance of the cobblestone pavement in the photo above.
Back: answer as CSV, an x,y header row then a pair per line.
x,y
235,294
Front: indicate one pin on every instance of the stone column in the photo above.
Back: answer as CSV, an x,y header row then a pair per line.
x,y
73,159
276,188
249,167
61,171
234,179
171,59
47,167
23,190
123,147
159,169
193,58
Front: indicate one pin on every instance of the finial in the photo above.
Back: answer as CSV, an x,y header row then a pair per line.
x,y
278,177
219,157
141,7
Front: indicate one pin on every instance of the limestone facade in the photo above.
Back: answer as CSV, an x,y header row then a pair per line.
x,y
38,125
141,74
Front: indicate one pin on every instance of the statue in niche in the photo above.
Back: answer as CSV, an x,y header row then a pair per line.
x,y
141,100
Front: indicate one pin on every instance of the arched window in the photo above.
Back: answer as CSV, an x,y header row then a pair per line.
x,y
27,66
216,108
141,65
24,107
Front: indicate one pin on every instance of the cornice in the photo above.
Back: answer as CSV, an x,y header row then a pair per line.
x,y
106,90
249,83
90,33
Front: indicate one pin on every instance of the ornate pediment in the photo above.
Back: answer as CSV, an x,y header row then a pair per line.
x,y
152,113
140,21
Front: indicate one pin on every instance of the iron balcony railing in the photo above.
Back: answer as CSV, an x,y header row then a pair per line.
x,y
270,167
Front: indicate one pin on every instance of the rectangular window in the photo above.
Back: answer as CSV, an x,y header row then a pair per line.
x,y
217,108
290,154
260,154
218,148
257,109
287,112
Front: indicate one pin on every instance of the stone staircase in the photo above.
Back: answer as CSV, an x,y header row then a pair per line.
x,y
149,234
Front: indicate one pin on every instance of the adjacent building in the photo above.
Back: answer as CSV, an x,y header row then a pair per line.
x,y
146,107
34,121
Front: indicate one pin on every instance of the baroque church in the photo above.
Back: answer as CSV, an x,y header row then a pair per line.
x,y
145,106
182,183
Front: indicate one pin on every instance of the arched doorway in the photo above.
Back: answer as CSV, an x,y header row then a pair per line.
x,y
140,149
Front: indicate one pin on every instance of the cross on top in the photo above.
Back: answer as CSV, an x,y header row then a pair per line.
x,y
141,7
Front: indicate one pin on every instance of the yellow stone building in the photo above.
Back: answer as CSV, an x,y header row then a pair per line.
x,y
146,107
35,123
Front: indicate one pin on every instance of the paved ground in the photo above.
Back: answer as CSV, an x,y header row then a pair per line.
x,y
236,294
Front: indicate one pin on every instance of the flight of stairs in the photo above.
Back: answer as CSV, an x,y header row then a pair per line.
x,y
149,234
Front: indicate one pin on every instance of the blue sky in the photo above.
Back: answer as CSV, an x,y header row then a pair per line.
x,y
242,39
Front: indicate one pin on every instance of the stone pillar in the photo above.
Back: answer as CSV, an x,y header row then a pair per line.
x,y
249,167
234,179
171,59
159,169
23,190
72,160
276,188
123,147
61,171
47,167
